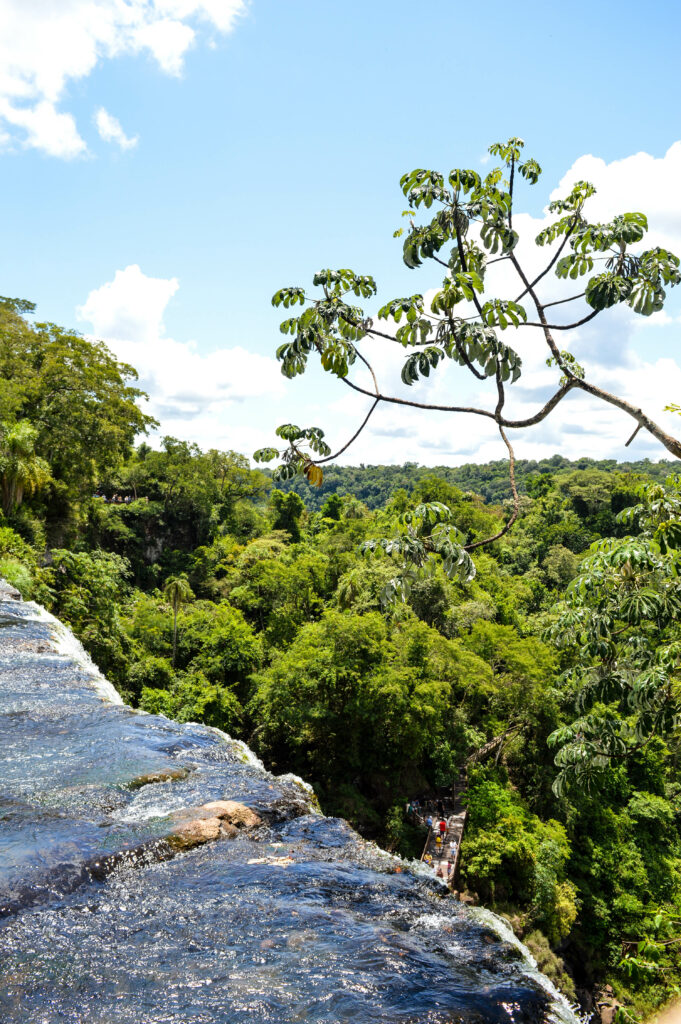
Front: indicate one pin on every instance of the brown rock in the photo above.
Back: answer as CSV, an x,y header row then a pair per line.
x,y
233,812
167,775
194,833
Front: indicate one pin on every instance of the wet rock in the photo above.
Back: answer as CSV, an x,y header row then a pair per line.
x,y
167,775
469,898
293,805
14,646
607,1005
8,592
233,813
194,833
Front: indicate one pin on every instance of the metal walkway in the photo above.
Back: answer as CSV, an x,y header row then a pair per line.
x,y
444,855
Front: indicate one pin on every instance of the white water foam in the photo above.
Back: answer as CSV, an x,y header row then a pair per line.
x,y
563,1011
66,646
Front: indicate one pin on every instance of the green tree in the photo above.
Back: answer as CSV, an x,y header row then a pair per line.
x,y
472,229
288,508
178,592
332,507
88,589
619,625
81,401
354,703
22,471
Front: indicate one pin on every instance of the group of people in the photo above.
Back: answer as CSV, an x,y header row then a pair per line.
x,y
421,809
441,855
117,499
442,868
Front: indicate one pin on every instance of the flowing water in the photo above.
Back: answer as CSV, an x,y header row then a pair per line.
x,y
296,920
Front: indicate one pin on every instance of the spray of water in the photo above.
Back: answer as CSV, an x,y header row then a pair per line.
x,y
563,1012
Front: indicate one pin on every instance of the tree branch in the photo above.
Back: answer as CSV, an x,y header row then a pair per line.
x,y
354,437
460,349
545,410
370,369
514,491
669,442
563,327
627,443
560,302
553,261
417,405
464,266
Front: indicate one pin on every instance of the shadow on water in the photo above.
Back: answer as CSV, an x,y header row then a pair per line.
x,y
297,919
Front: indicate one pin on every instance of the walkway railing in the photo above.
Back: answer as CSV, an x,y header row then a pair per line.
x,y
448,850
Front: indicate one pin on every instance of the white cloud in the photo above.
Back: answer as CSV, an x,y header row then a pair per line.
x,y
637,183
44,128
109,128
200,397
46,44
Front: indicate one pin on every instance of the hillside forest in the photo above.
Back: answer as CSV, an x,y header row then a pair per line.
x,y
206,593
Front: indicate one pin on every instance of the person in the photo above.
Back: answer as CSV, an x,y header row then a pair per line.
x,y
438,844
443,827
452,849
429,821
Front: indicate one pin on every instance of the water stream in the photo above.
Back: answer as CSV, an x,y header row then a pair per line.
x,y
295,920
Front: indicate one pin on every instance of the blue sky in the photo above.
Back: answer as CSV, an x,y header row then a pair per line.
x,y
271,143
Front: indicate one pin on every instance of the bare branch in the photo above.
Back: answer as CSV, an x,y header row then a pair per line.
x,y
501,396
370,369
555,256
543,323
559,302
354,437
563,327
418,405
669,442
627,443
514,491
545,410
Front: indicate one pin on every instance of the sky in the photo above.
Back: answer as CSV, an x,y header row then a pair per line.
x,y
166,165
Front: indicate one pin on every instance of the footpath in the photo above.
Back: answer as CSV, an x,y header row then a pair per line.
x,y
443,845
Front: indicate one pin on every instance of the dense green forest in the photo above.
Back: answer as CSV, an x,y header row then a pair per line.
x,y
205,593
374,485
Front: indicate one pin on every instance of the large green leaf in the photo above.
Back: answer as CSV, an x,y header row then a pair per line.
x,y
607,290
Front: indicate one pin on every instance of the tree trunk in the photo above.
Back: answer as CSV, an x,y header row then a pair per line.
x,y
174,635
